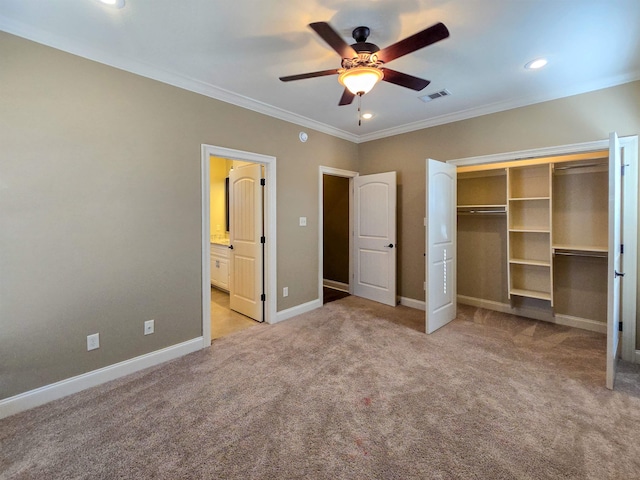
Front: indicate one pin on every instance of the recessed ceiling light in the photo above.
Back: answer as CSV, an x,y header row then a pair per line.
x,y
113,3
367,116
536,64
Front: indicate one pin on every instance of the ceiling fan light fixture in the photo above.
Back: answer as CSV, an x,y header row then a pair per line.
x,y
360,80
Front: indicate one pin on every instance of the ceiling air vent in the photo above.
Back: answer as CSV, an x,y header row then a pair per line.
x,y
434,96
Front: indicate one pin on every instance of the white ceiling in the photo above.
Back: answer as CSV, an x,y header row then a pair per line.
x,y
236,50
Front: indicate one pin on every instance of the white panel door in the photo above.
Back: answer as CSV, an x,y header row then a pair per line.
x,y
440,245
615,259
245,232
375,237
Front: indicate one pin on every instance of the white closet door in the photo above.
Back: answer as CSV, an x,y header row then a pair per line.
x,y
375,237
440,245
245,215
615,260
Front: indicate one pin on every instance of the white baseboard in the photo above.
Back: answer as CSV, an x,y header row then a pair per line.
x,y
413,303
546,316
584,323
297,310
40,396
343,287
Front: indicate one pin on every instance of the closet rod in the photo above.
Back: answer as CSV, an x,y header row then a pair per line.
x,y
583,254
582,165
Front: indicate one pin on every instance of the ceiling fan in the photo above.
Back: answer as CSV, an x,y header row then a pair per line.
x,y
363,62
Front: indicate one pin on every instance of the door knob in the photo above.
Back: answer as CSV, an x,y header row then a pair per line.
x,y
231,247
617,274
389,246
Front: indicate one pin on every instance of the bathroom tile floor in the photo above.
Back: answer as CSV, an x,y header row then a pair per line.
x,y
223,320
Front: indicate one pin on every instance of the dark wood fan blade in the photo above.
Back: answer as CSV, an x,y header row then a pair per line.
x,y
415,42
302,76
347,97
335,41
404,80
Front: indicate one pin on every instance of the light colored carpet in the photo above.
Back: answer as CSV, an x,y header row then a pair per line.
x,y
344,393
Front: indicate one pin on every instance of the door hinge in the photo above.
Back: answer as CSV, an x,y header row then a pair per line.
x,y
622,167
619,326
263,240
621,248
263,182
263,298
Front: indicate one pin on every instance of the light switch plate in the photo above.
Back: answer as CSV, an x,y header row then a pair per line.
x,y
303,221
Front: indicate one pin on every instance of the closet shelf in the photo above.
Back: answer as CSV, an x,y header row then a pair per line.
x,y
527,199
530,293
481,206
537,263
580,248
530,230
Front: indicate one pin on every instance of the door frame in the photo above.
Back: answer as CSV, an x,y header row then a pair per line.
x,y
269,208
629,219
336,172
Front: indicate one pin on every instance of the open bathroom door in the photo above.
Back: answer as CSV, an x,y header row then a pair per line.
x,y
245,233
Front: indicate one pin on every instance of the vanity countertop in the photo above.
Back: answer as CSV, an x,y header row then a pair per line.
x,y
220,241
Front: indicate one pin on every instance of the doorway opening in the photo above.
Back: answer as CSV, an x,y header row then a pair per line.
x,y
335,226
238,240
237,255
372,234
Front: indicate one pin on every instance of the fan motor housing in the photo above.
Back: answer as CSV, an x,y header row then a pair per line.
x,y
365,47
360,35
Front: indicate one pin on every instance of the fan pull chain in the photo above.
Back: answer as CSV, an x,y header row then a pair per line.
x,y
359,109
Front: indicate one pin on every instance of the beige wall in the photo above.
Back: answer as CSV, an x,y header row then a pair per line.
x,y
581,118
100,210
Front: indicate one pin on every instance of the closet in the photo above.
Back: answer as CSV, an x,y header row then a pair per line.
x,y
533,237
539,233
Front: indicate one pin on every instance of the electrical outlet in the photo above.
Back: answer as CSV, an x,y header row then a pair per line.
x,y
285,292
303,221
149,327
93,341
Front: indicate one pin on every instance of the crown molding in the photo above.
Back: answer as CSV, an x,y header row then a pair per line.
x,y
186,83
500,107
